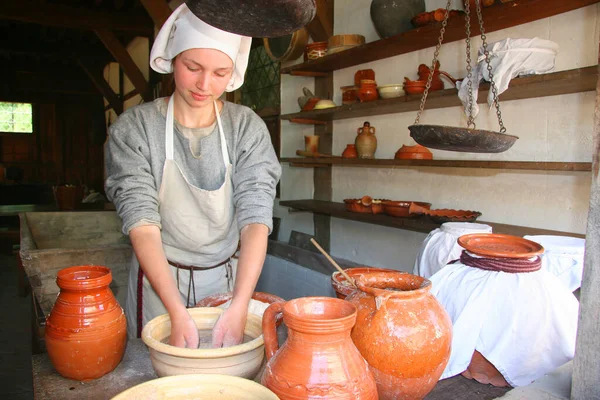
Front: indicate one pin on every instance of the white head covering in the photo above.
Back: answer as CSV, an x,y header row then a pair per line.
x,y
183,31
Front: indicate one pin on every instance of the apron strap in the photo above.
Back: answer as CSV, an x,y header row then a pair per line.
x,y
222,136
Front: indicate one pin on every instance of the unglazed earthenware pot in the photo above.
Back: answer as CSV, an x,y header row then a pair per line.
x,y
366,142
402,331
86,330
318,360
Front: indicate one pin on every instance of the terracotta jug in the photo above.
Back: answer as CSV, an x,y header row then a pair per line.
x,y
366,142
350,151
318,360
86,330
367,90
402,331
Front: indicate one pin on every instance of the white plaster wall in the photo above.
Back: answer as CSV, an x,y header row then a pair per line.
x,y
557,128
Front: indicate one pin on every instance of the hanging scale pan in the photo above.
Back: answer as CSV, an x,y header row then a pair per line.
x,y
255,18
467,139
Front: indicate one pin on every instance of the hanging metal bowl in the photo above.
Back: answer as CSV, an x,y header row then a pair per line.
x,y
461,139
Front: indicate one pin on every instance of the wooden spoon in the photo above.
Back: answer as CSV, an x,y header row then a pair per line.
x,y
332,261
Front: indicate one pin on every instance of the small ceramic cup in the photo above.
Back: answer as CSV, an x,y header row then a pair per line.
x,y
311,143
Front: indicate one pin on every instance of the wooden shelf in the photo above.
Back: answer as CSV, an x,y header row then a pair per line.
x,y
419,224
392,163
556,83
499,16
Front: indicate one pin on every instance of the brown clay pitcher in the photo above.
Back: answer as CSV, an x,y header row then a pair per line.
x,y
402,331
318,360
366,142
86,330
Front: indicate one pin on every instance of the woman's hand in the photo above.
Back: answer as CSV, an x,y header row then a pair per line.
x,y
229,329
184,332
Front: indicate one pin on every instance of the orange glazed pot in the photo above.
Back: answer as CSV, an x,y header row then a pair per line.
x,y
318,360
402,331
86,330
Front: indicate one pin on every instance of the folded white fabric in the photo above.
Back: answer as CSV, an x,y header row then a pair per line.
x,y
525,324
440,247
509,58
563,257
183,31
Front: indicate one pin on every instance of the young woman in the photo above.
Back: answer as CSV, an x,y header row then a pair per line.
x,y
192,177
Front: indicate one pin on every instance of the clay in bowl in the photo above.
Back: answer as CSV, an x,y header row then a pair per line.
x,y
243,360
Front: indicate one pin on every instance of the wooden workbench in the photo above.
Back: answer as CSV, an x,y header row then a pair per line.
x,y
136,368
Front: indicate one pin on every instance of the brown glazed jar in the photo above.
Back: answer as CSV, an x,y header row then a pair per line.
x,y
367,90
402,331
366,142
86,330
318,360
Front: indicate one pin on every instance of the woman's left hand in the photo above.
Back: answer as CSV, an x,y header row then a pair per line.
x,y
229,329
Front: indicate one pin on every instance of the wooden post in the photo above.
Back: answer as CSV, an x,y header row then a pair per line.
x,y
586,365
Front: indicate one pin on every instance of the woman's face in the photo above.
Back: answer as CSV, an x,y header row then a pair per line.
x,y
202,75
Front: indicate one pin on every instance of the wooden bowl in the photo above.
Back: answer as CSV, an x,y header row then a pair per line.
x,y
243,360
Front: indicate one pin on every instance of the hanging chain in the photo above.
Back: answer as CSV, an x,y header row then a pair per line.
x,y
470,118
433,64
489,68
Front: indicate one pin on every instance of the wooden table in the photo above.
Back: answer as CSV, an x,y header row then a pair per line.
x,y
136,368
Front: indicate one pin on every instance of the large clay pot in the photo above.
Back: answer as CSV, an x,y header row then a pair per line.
x,y
392,17
341,285
366,142
86,330
318,360
402,331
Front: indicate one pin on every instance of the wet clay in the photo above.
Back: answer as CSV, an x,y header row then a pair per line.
x,y
205,337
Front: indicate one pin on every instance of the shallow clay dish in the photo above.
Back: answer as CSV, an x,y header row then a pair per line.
x,y
500,246
365,205
198,386
401,208
446,215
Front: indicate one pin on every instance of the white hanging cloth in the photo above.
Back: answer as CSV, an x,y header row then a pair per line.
x,y
563,257
509,58
440,247
525,324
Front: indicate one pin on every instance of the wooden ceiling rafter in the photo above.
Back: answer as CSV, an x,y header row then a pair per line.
x,y
75,17
103,87
158,10
122,56
321,27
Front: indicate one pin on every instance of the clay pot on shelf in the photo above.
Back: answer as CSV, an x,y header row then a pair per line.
x,y
392,17
349,94
319,329
311,143
86,330
366,142
402,331
362,74
315,51
341,285
416,152
368,90
403,208
350,151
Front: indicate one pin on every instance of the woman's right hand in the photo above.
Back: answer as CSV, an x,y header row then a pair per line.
x,y
184,332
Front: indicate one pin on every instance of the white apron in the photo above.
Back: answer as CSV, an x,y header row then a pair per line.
x,y
198,229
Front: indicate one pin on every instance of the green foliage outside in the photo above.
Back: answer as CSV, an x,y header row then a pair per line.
x,y
16,117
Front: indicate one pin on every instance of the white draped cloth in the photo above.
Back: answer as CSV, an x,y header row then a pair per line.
x,y
525,324
563,257
440,247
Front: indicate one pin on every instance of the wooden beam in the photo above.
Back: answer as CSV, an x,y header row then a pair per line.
x,y
120,53
586,365
321,27
102,86
71,17
158,10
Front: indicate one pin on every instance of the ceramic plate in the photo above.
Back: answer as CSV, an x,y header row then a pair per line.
x,y
500,246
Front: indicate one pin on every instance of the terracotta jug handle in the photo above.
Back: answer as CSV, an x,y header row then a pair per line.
x,y
372,130
359,130
269,328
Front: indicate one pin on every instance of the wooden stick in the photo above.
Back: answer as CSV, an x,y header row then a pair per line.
x,y
332,261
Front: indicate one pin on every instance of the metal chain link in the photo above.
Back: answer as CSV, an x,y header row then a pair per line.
x,y
433,64
489,68
470,118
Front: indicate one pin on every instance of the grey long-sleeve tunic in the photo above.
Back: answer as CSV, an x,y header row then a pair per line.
x,y
135,155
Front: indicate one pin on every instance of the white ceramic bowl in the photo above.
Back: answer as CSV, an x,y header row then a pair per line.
x,y
322,104
184,387
390,91
243,360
